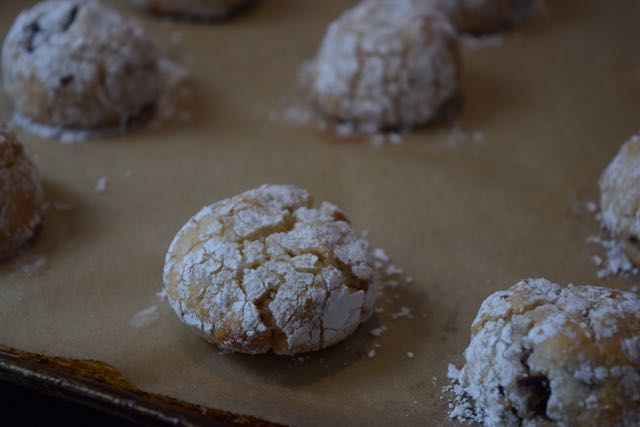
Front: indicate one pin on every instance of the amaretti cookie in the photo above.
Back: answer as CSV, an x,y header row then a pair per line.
x,y
483,16
266,271
386,64
544,355
620,197
21,201
197,9
79,65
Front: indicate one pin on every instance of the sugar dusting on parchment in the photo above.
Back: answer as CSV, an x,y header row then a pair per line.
x,y
391,277
30,265
149,315
145,317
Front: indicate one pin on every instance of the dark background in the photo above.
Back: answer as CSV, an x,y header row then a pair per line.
x,y
21,406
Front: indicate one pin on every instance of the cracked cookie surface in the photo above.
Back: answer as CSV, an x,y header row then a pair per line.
x,y
386,65
264,270
21,201
201,9
541,354
79,65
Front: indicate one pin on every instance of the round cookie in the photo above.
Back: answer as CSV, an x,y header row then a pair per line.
x,y
483,16
620,197
264,270
386,65
79,65
545,355
198,9
21,201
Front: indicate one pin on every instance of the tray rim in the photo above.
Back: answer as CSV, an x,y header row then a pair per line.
x,y
98,385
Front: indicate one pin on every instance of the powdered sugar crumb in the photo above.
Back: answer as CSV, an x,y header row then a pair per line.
x,y
376,332
405,312
380,255
393,270
101,185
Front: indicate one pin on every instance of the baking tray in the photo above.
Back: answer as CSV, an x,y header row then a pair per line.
x,y
464,208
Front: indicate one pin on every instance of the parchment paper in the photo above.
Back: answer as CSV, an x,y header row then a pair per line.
x,y
464,217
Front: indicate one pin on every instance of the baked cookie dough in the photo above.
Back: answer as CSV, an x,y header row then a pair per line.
x,y
483,16
21,201
541,354
198,9
79,65
620,197
265,270
386,64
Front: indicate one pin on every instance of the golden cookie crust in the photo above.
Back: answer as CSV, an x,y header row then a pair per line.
x,y
79,65
541,355
265,271
21,201
386,65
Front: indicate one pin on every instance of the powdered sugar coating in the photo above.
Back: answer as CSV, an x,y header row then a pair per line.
x,y
21,200
542,354
386,64
79,65
206,9
482,16
265,271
